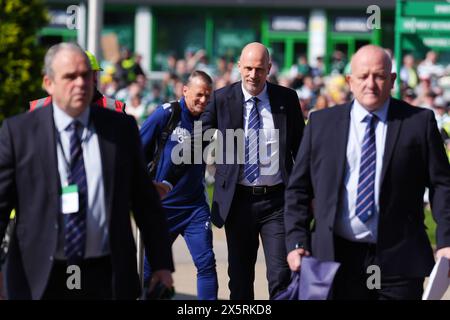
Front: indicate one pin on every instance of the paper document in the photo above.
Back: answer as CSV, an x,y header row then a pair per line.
x,y
439,280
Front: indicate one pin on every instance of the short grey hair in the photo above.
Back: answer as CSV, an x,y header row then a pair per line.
x,y
201,75
55,49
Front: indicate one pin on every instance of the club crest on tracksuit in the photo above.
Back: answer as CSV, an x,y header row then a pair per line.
x,y
180,134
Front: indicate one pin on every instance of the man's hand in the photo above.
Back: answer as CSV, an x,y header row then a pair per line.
x,y
294,258
162,188
443,252
163,276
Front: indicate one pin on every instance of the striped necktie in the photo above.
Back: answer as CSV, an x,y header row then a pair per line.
x,y
75,223
251,166
365,201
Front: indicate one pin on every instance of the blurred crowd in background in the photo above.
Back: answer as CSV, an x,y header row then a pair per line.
x,y
424,83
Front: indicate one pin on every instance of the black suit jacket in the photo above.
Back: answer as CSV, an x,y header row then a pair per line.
x,y
29,182
414,158
225,111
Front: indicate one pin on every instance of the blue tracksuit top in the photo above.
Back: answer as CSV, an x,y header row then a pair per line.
x,y
189,192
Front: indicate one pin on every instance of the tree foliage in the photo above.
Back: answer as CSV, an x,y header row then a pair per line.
x,y
21,57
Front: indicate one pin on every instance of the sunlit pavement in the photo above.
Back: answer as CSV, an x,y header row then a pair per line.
x,y
185,274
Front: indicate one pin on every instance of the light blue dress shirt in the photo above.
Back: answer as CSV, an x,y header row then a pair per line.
x,y
347,224
97,234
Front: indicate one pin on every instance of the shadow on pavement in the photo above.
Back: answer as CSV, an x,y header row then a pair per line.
x,y
184,296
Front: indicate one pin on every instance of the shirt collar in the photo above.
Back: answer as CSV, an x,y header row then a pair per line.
x,y
63,120
360,112
261,96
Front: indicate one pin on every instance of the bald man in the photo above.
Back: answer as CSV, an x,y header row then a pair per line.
x,y
365,165
249,187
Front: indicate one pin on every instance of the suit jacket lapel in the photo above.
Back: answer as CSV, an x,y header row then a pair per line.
x,y
278,111
106,138
236,107
279,118
46,144
339,141
393,129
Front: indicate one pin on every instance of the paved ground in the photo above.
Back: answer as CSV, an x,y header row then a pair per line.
x,y
185,274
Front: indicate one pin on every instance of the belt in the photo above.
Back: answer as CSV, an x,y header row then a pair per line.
x,y
348,244
86,262
260,190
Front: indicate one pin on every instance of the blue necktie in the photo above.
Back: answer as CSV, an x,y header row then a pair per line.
x,y
365,201
75,223
251,166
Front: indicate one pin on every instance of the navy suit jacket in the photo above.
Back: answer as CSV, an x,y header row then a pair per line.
x,y
30,183
225,111
414,158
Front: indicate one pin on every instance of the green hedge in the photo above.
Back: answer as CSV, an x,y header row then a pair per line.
x,y
21,58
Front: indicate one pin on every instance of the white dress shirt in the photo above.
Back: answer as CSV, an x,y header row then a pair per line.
x,y
270,174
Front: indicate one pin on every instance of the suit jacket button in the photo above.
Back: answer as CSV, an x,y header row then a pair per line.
x,y
51,258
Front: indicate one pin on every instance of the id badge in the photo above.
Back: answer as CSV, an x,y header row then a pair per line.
x,y
69,199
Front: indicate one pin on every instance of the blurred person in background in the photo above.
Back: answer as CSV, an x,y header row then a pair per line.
x,y
440,108
321,103
318,70
136,106
408,73
410,97
299,71
430,68
338,62
128,68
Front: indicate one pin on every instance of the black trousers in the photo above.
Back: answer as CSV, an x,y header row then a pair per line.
x,y
351,281
96,281
250,217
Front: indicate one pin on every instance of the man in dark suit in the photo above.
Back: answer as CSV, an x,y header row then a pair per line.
x,y
248,195
73,173
365,165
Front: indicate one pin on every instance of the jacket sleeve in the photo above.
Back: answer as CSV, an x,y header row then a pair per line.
x,y
297,124
7,168
439,182
146,206
151,131
298,196
209,116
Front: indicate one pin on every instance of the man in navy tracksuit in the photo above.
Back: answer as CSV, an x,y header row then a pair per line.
x,y
185,203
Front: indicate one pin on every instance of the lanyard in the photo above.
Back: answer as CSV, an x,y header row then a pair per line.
x,y
66,159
